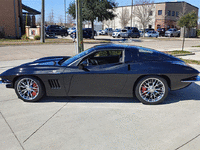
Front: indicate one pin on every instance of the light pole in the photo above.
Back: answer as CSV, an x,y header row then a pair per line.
x,y
132,14
42,39
65,11
79,30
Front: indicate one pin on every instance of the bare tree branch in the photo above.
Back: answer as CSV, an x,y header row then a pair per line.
x,y
143,12
125,17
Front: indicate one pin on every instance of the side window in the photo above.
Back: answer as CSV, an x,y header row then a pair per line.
x,y
104,57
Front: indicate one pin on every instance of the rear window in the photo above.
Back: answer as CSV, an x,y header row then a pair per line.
x,y
149,55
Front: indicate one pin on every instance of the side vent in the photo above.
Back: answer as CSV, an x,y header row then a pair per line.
x,y
54,84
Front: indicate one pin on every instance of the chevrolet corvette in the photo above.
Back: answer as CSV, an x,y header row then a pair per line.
x,y
104,70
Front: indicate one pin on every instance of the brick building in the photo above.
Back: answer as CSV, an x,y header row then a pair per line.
x,y
14,16
163,15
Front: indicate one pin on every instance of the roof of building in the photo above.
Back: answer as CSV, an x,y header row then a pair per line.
x,y
166,3
30,10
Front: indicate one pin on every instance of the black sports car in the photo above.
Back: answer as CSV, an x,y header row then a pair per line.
x,y
104,70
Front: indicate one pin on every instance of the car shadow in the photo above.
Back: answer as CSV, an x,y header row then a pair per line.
x,y
87,99
186,94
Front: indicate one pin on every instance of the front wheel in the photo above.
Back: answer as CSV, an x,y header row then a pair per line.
x,y
151,90
29,89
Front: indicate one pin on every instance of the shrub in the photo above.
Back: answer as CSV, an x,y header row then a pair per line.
x,y
2,35
24,37
37,37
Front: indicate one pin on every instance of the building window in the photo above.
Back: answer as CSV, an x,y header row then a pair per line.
x,y
169,13
150,13
159,12
177,14
173,13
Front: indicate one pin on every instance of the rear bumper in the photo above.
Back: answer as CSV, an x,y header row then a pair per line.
x,y
192,79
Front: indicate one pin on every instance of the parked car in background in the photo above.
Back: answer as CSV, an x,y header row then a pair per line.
x,y
141,33
53,30
116,33
152,34
161,31
128,33
90,30
86,33
99,32
107,31
70,30
172,32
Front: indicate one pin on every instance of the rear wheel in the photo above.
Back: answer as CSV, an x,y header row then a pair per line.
x,y
151,90
29,89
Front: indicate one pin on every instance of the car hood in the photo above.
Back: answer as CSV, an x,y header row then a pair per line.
x,y
39,66
48,61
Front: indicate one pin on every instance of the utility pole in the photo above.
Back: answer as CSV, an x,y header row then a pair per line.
x,y
79,30
132,14
42,39
65,11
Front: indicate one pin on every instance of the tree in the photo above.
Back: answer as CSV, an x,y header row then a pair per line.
x,y
124,17
189,20
70,19
51,17
143,11
91,9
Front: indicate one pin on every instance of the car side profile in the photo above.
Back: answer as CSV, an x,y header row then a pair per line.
x,y
130,33
53,30
103,70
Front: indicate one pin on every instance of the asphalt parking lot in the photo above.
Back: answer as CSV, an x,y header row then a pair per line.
x,y
95,123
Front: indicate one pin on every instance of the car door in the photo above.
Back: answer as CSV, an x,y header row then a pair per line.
x,y
103,79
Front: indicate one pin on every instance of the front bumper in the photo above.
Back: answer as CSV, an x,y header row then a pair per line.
x,y
125,35
192,79
8,83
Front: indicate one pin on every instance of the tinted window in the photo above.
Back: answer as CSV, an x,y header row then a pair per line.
x,y
149,55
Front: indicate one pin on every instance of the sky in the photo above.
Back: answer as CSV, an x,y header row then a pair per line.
x,y
58,6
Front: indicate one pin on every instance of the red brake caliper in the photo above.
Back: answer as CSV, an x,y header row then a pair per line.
x,y
143,89
35,90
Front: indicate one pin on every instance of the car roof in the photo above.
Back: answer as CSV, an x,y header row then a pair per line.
x,y
120,46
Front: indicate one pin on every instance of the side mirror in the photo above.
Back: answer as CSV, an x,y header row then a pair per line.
x,y
82,67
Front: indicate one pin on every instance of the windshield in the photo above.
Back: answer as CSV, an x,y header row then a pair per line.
x,y
76,57
124,30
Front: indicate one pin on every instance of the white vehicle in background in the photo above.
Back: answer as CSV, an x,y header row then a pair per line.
x,y
107,31
99,32
141,33
70,30
152,33
116,33
172,32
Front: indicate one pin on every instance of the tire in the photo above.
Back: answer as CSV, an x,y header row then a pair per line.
x,y
29,89
151,90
